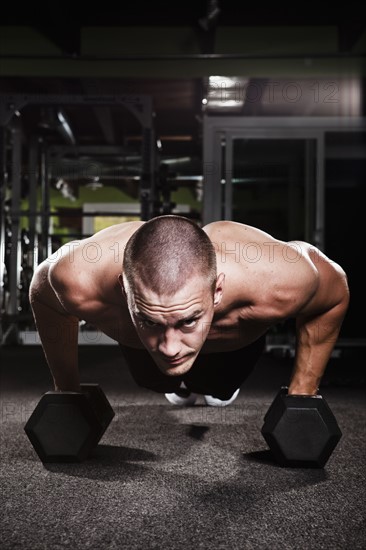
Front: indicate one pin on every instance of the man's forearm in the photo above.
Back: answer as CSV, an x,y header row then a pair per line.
x,y
59,338
310,365
315,342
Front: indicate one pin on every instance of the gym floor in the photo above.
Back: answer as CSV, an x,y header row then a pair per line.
x,y
165,477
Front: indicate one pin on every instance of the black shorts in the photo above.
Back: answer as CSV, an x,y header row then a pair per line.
x,y
216,374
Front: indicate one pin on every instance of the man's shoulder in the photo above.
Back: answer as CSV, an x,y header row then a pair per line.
x,y
217,225
120,232
222,226
235,231
90,254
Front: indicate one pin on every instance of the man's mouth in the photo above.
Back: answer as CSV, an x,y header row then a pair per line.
x,y
175,366
174,361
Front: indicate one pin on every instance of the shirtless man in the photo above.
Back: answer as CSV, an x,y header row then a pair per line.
x,y
189,306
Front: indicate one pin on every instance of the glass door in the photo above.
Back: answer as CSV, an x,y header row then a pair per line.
x,y
268,177
270,184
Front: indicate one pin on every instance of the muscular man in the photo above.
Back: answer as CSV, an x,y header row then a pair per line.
x,y
189,306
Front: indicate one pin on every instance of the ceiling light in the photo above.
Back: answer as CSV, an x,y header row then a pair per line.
x,y
225,94
64,127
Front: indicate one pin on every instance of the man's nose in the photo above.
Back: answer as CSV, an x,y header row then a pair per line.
x,y
169,344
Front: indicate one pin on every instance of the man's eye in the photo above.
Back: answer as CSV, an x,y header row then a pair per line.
x,y
149,324
190,323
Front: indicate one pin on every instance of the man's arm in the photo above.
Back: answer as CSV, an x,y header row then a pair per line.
x,y
318,327
58,331
315,340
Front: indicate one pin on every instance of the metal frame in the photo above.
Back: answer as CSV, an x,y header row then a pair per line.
x,y
218,128
139,105
10,106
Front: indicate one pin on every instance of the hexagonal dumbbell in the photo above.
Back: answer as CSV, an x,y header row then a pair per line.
x,y
67,426
301,431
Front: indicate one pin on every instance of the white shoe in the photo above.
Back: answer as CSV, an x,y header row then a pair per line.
x,y
184,398
214,402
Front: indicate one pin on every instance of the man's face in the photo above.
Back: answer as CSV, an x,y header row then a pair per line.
x,y
174,329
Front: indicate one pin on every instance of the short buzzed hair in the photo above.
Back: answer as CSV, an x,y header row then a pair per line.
x,y
166,251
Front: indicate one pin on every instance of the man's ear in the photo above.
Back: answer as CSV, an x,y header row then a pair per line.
x,y
220,281
121,283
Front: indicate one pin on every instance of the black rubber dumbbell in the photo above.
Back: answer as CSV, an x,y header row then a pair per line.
x,y
301,431
67,426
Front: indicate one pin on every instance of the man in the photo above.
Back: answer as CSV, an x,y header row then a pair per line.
x,y
189,306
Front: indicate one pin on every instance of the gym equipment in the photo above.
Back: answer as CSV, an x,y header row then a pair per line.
x,y
67,426
29,172
300,430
